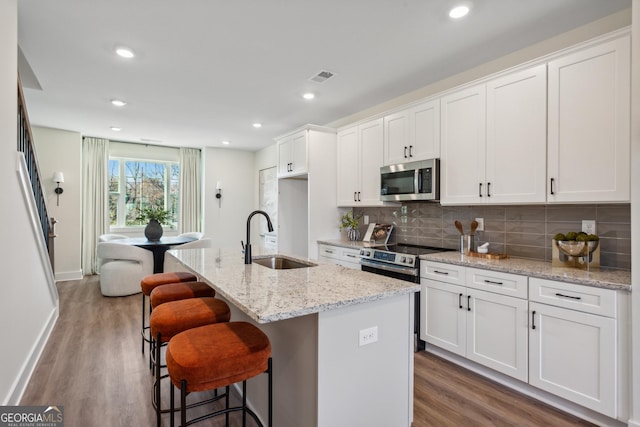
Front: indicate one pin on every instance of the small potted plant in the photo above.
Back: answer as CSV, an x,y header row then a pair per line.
x,y
350,223
155,218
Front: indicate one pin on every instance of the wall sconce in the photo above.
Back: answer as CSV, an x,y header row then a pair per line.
x,y
219,193
58,177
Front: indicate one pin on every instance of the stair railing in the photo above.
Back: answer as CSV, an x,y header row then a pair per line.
x,y
26,146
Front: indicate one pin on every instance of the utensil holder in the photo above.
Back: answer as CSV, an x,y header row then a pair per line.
x,y
467,243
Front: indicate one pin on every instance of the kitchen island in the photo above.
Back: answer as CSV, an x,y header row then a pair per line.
x,y
342,340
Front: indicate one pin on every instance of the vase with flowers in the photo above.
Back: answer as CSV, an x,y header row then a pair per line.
x,y
155,218
350,223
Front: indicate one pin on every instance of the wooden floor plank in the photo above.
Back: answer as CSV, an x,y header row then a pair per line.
x,y
92,366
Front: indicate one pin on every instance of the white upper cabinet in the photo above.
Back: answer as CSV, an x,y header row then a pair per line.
x,y
589,124
517,137
359,162
494,141
412,134
396,138
292,155
463,146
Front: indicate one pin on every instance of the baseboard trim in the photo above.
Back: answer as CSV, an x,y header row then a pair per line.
x,y
69,275
22,380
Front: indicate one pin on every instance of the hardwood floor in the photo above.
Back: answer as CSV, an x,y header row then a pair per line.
x,y
93,367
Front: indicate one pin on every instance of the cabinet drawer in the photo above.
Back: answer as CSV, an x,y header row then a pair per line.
x,y
350,255
576,297
513,285
329,251
447,273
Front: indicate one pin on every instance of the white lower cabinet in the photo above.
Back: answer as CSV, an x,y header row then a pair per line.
x,y
573,352
487,327
346,257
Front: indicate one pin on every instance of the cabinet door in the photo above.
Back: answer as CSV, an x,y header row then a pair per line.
x,y
284,157
348,167
462,166
497,332
424,131
442,317
573,355
396,138
299,153
517,137
370,136
589,124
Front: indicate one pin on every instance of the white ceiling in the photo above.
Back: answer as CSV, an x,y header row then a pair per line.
x,y
206,70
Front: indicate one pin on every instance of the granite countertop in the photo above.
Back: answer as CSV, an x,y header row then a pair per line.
x,y
601,278
268,295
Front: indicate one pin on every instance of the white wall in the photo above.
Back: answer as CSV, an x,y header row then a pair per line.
x,y
50,143
227,225
27,309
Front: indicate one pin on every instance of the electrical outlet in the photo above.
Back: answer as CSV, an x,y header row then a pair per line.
x,y
368,336
366,219
589,226
480,222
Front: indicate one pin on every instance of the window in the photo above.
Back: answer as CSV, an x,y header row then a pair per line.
x,y
136,184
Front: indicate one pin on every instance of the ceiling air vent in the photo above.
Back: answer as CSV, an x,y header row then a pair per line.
x,y
322,76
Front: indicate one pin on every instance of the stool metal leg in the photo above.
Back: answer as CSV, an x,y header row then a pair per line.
x,y
156,383
244,404
183,403
270,368
172,405
142,328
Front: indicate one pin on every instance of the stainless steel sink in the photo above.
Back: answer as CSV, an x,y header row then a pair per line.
x,y
281,263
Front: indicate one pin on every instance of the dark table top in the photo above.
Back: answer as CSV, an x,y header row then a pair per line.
x,y
164,241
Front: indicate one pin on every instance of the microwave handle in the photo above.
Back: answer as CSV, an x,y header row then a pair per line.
x,y
417,181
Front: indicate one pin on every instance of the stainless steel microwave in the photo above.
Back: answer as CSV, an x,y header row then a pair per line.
x,y
410,181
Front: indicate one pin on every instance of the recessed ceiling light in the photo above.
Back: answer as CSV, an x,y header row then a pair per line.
x,y
458,12
309,95
257,125
118,102
125,52
116,128
226,142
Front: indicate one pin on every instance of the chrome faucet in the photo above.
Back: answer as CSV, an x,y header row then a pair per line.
x,y
247,246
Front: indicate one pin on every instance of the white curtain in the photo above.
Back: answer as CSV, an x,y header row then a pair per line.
x,y
190,190
95,207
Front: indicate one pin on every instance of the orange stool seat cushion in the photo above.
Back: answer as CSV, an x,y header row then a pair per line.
x,y
178,291
174,317
148,283
217,355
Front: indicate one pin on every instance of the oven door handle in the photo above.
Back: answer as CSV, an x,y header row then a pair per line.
x,y
387,267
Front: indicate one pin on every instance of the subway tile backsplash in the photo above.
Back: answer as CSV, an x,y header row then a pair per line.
x,y
518,231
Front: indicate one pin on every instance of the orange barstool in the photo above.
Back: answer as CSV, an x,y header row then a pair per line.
x,y
179,291
218,355
149,283
173,317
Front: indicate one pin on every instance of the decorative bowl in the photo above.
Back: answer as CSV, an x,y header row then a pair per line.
x,y
574,248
